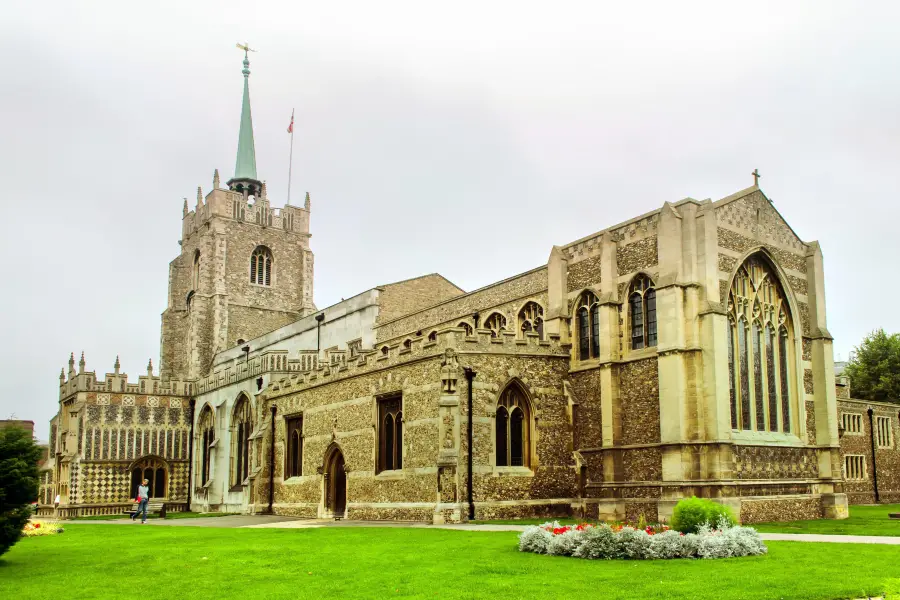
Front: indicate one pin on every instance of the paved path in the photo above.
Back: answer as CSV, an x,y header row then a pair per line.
x,y
279,522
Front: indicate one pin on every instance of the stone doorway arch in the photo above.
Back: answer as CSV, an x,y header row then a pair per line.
x,y
335,474
155,470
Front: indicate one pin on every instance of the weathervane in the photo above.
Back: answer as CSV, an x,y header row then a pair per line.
x,y
246,48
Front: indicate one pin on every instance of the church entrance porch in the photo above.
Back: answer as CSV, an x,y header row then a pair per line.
x,y
155,471
335,483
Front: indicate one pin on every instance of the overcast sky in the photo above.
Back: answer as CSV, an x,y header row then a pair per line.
x,y
465,140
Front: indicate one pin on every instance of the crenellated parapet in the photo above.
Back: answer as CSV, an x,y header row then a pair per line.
x,y
236,206
88,381
482,341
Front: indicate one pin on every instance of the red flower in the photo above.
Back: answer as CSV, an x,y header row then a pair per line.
x,y
37,525
560,530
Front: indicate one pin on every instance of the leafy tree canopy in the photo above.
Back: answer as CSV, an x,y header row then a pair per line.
x,y
19,456
874,369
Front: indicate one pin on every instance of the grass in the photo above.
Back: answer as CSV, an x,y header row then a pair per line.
x,y
90,561
864,520
174,515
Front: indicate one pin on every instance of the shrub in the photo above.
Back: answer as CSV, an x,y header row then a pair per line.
x,y
668,544
564,544
691,513
597,542
634,543
535,539
19,485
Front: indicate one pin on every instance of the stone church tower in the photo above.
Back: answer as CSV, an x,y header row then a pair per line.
x,y
245,268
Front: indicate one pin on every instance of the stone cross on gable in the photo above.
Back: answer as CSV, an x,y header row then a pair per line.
x,y
756,177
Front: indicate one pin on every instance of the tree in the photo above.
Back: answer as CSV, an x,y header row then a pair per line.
x,y
19,483
874,369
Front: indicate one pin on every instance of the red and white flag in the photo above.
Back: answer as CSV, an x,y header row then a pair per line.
x,y
290,128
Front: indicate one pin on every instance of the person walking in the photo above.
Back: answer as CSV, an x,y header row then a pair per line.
x,y
143,496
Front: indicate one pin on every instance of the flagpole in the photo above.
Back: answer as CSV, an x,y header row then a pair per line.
x,y
291,159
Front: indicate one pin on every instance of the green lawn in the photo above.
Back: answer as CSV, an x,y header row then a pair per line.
x,y
121,561
864,520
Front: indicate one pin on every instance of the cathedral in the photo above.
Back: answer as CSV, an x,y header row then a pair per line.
x,y
682,352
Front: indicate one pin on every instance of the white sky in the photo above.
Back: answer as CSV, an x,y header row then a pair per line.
x,y
465,140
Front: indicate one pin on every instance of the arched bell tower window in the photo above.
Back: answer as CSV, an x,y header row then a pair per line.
x,y
513,428
642,312
760,349
261,266
496,323
241,428
587,320
531,319
206,433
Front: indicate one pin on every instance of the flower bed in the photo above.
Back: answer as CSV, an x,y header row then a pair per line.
x,y
39,528
653,542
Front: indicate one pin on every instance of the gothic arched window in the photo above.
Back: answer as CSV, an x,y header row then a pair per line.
x,y
496,323
206,433
466,327
587,317
642,312
390,433
760,349
531,319
241,428
513,428
261,266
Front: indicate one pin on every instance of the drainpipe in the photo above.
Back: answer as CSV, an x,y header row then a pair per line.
x,y
272,463
319,318
475,318
470,375
190,491
874,463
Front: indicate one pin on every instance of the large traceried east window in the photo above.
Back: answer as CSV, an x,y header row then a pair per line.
x,y
241,428
531,319
642,313
760,350
513,428
261,266
587,316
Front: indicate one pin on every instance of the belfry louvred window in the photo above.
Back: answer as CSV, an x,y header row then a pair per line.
x,y
642,312
261,266
587,315
760,343
513,428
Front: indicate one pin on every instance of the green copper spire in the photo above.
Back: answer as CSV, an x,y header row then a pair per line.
x,y
245,167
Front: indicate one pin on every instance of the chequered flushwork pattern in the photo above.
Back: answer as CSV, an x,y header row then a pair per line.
x,y
742,214
73,484
178,481
104,483
767,462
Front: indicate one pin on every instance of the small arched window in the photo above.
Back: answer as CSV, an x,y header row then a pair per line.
x,y
407,344
587,315
241,428
466,327
195,271
432,337
496,323
261,266
207,434
531,319
384,350
642,312
513,428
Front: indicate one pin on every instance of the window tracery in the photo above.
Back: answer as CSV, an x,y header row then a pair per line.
x,y
531,319
642,312
513,428
496,323
241,428
261,266
587,315
207,434
760,354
